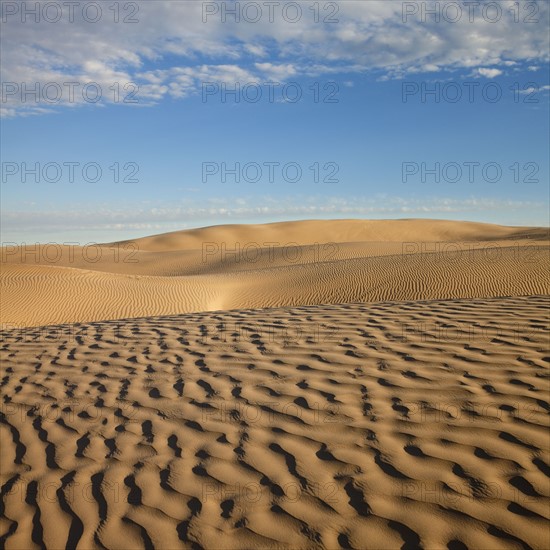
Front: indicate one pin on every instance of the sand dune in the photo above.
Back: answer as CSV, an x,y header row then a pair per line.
x,y
317,231
342,384
274,265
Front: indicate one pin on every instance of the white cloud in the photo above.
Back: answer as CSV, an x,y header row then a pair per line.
x,y
256,49
242,208
281,72
173,45
487,72
532,90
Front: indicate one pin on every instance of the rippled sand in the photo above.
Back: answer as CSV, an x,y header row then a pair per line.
x,y
413,412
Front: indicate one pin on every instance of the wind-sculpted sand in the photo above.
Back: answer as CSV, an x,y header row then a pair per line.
x,y
412,412
387,425
273,265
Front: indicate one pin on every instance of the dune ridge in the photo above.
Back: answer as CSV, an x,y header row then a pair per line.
x,y
272,265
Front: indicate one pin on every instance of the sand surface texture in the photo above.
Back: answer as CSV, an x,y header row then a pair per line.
x,y
273,265
399,399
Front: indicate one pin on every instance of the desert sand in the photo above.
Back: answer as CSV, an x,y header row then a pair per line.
x,y
272,265
319,384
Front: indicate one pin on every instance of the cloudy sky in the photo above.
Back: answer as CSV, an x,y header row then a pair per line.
x,y
122,119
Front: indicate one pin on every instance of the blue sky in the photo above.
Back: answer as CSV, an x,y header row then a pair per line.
x,y
368,148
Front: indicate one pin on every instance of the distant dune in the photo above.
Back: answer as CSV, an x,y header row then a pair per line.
x,y
321,384
272,265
